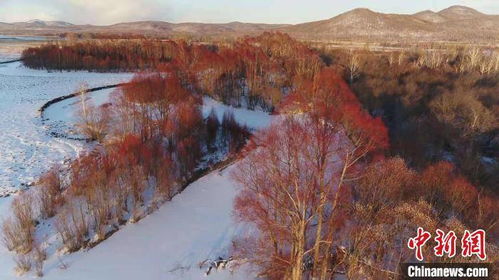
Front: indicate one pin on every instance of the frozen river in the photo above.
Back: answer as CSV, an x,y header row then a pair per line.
x,y
26,149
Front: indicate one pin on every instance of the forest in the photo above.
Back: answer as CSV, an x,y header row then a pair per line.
x,y
367,148
438,105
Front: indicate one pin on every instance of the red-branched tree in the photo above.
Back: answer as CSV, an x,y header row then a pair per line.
x,y
296,176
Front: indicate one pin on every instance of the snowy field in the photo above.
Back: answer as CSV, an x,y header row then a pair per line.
x,y
169,244
12,46
61,118
26,149
8,51
252,119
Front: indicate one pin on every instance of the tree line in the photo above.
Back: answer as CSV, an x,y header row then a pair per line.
x,y
253,71
439,104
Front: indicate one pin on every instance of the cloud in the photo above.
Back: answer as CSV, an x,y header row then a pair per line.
x,y
11,11
112,11
105,12
84,11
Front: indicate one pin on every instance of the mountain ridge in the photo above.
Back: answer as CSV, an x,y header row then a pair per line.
x,y
455,23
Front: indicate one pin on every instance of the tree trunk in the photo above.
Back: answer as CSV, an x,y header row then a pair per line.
x,y
329,238
318,234
299,250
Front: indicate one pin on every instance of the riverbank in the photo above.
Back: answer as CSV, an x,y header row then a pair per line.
x,y
26,149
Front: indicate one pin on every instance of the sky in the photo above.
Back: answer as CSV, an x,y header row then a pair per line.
x,y
103,12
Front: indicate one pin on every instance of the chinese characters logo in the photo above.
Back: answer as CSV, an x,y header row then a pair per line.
x,y
471,243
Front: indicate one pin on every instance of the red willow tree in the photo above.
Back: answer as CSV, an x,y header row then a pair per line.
x,y
296,174
163,113
325,159
257,69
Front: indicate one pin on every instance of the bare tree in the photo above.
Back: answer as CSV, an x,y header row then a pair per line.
x,y
401,58
353,66
49,192
93,120
473,58
463,111
72,225
38,258
18,230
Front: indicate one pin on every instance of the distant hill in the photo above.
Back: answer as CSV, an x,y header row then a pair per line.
x,y
430,16
36,23
362,23
456,23
460,13
191,28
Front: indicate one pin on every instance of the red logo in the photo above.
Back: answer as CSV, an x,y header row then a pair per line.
x,y
418,242
474,244
471,243
446,243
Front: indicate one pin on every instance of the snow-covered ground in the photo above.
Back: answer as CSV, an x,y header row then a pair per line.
x,y
168,244
12,46
26,149
253,119
61,118
7,51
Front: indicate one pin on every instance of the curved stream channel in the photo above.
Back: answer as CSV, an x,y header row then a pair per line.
x,y
37,117
60,115
26,148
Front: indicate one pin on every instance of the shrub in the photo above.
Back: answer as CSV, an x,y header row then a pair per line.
x,y
94,121
23,264
72,225
49,193
38,256
386,183
18,230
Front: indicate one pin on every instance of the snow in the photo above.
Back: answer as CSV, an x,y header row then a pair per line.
x,y
8,56
12,46
168,244
62,117
6,262
26,149
195,225
252,118
8,38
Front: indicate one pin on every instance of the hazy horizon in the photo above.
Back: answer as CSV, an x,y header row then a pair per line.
x,y
97,12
